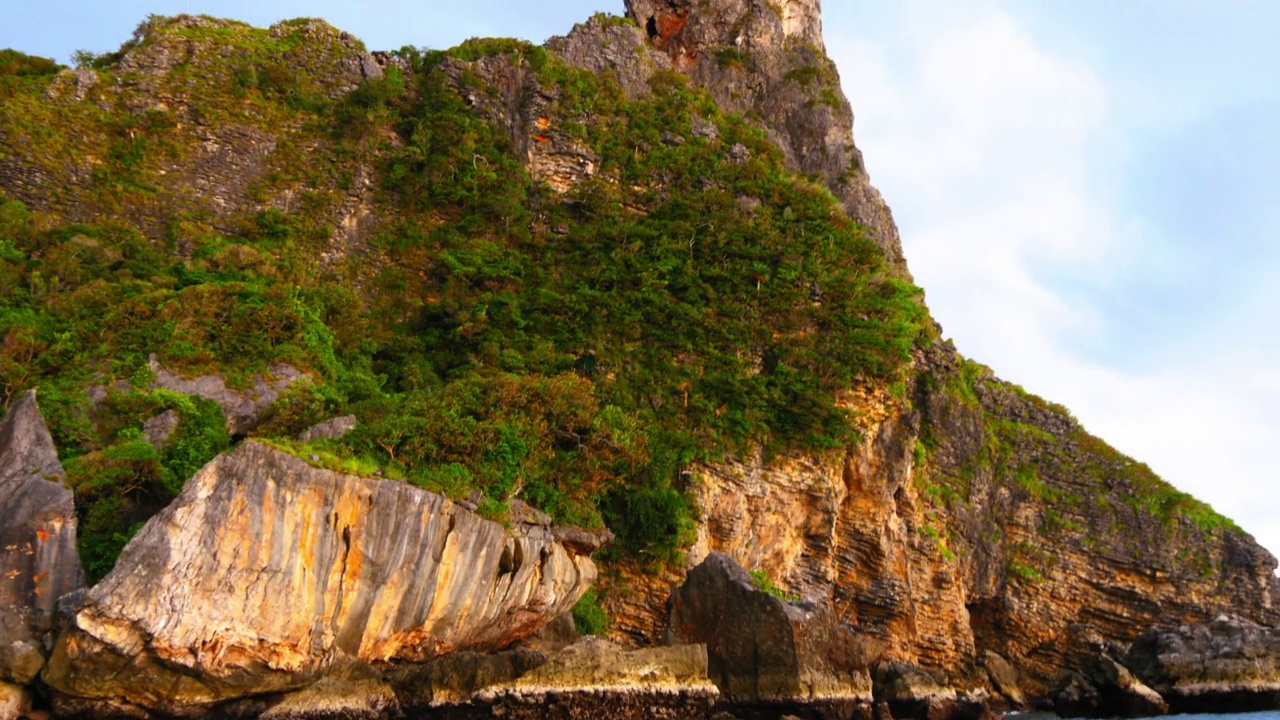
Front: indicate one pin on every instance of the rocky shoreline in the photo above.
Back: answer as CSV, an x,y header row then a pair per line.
x,y
194,622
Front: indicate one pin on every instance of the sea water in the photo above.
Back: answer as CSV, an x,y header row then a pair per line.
x,y
1260,715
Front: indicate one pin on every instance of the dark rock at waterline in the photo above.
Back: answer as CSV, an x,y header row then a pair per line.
x,y
914,692
1227,665
1105,688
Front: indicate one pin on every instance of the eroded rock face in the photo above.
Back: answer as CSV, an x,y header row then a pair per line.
x,y
622,50
975,518
761,648
1227,665
766,59
267,574
38,559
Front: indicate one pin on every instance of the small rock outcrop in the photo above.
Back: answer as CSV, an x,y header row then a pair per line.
x,y
267,574
38,559
594,678
1227,665
331,429
913,692
764,649
242,407
1105,688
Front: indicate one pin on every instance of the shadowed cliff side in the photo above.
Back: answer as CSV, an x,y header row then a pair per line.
x,y
38,561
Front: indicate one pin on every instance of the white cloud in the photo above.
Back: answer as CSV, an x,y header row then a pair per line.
x,y
993,152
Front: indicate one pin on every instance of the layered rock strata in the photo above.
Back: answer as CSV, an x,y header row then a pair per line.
x,y
267,573
38,560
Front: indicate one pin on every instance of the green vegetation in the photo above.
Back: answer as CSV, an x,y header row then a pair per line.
x,y
588,617
762,582
579,351
14,64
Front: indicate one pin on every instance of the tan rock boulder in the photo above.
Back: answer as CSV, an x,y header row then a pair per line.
x,y
38,559
267,574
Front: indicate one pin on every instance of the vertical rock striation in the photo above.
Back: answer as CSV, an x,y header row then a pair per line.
x,y
38,559
267,573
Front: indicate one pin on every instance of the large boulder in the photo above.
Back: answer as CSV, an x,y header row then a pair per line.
x,y
1105,688
267,574
762,649
38,559
1228,665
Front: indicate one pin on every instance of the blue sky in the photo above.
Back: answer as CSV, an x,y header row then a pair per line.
x,y
1089,192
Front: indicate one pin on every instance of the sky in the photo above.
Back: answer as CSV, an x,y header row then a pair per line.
x,y
1088,191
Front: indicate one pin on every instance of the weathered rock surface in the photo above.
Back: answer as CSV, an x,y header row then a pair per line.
x,y
595,665
913,692
38,559
1004,680
761,648
242,407
1227,665
592,678
157,430
975,518
267,574
14,701
1105,688
621,50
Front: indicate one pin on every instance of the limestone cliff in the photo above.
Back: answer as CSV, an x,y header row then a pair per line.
x,y
268,573
639,269
976,518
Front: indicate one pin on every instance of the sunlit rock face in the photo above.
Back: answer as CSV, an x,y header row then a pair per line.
x,y
267,573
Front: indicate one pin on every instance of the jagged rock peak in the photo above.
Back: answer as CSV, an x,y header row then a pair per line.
x,y
666,20
25,444
766,59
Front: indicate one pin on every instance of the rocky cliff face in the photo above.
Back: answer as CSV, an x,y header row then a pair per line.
x,y
976,518
267,573
38,562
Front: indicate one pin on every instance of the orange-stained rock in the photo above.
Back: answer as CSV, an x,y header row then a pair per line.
x,y
267,573
962,525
